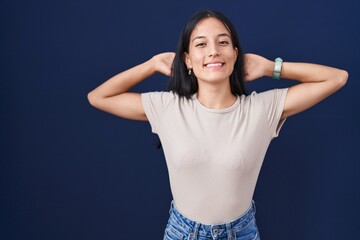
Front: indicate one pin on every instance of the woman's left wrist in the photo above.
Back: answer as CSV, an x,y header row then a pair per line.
x,y
269,68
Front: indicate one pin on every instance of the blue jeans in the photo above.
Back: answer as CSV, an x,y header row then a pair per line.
x,y
180,228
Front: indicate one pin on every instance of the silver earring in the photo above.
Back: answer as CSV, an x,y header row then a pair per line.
x,y
189,71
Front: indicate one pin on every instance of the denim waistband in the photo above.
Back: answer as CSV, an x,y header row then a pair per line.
x,y
206,230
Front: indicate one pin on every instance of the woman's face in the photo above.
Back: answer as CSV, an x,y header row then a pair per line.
x,y
211,53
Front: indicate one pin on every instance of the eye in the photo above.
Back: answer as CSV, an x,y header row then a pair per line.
x,y
224,43
200,45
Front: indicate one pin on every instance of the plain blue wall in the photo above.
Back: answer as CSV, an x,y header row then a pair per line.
x,y
69,171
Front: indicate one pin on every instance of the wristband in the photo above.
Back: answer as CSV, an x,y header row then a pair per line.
x,y
277,68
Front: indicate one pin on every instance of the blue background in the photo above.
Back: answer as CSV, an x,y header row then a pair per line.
x,y
69,171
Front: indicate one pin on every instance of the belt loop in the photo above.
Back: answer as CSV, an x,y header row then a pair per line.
x,y
171,206
229,231
195,232
253,205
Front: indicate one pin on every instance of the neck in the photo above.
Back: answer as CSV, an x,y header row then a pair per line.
x,y
215,97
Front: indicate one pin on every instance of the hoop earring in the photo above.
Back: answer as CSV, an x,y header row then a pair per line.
x,y
189,71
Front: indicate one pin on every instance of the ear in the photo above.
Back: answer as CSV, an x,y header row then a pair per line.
x,y
186,58
236,53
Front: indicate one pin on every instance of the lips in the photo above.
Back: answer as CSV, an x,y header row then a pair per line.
x,y
214,65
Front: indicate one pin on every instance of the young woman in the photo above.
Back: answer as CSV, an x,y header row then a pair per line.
x,y
213,134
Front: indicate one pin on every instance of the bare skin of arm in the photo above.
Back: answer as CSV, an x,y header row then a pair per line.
x,y
113,97
316,81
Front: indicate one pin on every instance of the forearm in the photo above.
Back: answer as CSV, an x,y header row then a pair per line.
x,y
316,81
123,81
308,72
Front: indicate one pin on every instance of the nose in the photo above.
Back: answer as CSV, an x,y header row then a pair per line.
x,y
213,50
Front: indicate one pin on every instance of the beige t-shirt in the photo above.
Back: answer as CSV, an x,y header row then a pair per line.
x,y
214,156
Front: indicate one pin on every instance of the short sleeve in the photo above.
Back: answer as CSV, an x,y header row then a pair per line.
x,y
155,105
273,102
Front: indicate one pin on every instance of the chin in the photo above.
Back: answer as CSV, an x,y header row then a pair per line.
x,y
214,77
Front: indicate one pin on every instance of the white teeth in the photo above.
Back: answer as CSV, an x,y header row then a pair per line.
x,y
214,65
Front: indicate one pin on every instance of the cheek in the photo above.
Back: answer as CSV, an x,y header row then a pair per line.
x,y
196,57
232,61
230,69
197,62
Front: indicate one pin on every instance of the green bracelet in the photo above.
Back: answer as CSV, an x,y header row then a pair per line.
x,y
277,68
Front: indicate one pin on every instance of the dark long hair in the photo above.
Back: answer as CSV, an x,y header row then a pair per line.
x,y
186,85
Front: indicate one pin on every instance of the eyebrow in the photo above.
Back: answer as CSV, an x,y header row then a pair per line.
x,y
220,35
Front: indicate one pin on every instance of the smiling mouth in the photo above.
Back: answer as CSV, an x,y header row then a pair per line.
x,y
214,65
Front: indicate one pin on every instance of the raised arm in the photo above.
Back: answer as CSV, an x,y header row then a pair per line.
x,y
316,81
113,97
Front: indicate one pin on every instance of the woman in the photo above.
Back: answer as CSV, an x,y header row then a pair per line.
x,y
214,136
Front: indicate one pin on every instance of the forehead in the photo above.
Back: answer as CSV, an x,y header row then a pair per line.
x,y
208,27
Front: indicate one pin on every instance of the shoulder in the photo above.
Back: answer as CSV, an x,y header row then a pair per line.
x,y
159,99
267,95
264,100
164,96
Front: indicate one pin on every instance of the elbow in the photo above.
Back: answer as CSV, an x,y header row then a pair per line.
x,y
96,100
342,78
92,99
